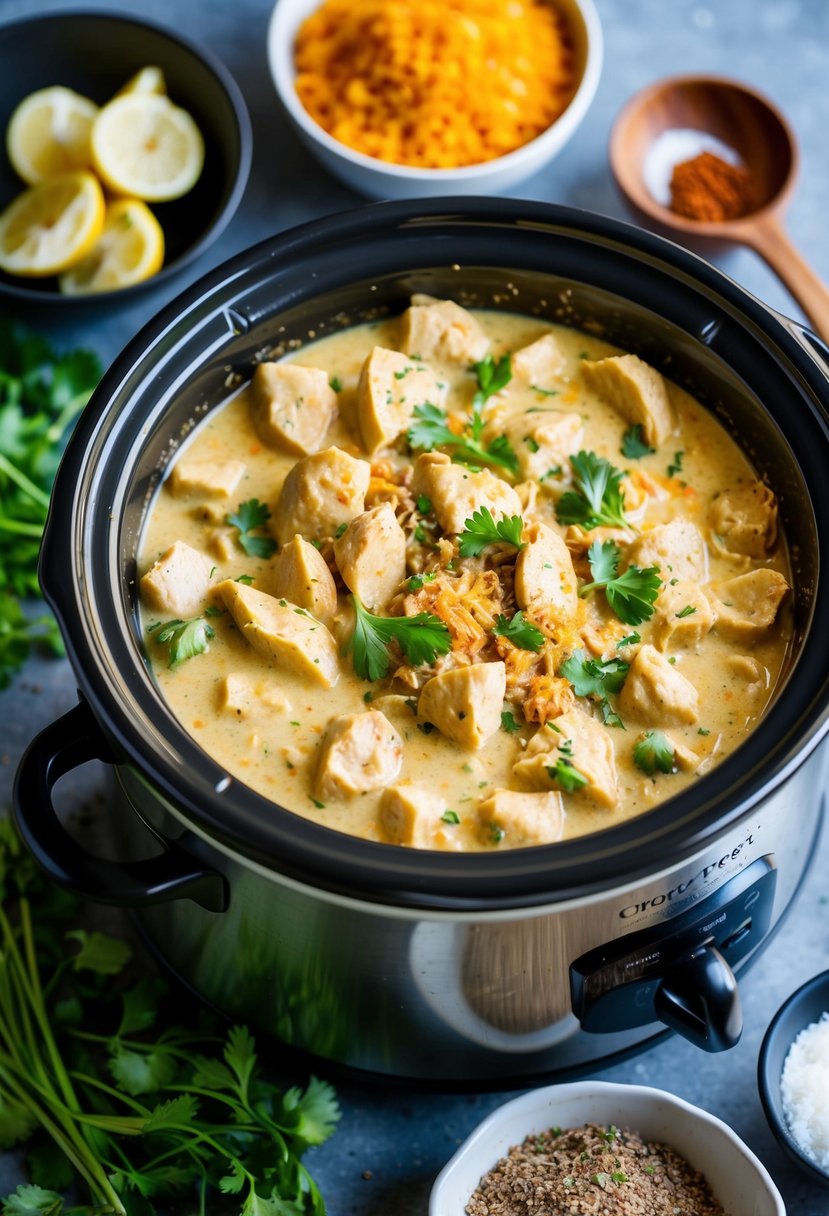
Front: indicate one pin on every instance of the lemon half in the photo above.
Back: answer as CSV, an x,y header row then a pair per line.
x,y
52,225
145,147
129,250
48,134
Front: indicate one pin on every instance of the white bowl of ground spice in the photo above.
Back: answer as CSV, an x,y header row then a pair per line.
x,y
420,98
588,1147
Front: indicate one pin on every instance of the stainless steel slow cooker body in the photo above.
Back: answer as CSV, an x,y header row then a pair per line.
x,y
493,967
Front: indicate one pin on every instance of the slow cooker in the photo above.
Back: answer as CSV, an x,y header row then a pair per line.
x,y
491,967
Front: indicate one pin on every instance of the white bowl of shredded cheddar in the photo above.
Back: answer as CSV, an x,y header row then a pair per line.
x,y
418,98
632,1139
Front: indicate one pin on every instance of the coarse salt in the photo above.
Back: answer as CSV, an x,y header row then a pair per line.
x,y
804,1088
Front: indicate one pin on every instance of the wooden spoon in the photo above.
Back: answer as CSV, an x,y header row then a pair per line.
x,y
761,137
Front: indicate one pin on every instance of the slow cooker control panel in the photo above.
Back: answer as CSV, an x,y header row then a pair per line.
x,y
623,984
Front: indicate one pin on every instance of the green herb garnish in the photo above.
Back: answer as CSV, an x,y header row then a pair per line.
x,y
634,446
567,776
676,467
185,639
509,723
598,497
654,751
341,531
688,610
250,515
421,638
482,530
520,631
430,430
631,595
418,580
630,639
450,817
594,677
336,384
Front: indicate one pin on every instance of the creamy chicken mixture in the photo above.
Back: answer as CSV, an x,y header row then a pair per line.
x,y
464,581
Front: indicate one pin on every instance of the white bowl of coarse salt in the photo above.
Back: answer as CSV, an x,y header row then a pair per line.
x,y
793,1075
591,1140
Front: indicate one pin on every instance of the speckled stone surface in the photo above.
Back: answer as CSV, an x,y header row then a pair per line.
x,y
780,46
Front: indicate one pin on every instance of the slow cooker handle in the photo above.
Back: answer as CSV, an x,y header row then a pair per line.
x,y
699,999
65,744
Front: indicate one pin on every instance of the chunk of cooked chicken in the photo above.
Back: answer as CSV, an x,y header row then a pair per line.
x,y
292,407
538,363
544,441
656,693
683,616
635,390
441,329
455,491
523,818
465,703
744,519
283,632
359,752
205,478
371,555
301,576
677,549
572,740
178,582
321,492
411,815
747,606
391,385
545,581
242,695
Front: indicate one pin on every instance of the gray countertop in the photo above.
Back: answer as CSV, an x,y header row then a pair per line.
x,y
782,47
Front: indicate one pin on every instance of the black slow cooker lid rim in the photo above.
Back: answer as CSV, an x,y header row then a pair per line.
x,y
305,849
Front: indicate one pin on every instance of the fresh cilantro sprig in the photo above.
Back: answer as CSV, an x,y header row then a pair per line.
x,y
41,395
110,1097
594,677
250,515
634,445
492,378
430,429
519,631
185,639
631,595
421,638
654,752
598,497
481,530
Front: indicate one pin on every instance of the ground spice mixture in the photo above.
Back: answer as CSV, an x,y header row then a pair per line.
x,y
592,1171
709,188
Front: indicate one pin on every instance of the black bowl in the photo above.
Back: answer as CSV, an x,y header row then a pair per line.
x,y
800,1010
95,53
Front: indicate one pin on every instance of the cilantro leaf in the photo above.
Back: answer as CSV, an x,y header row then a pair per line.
x,y
598,497
521,632
187,638
654,751
676,467
141,1072
240,1057
631,595
492,377
419,580
421,638
250,515
99,953
482,530
634,446
430,429
318,1111
16,1122
688,610
609,715
32,1201
567,776
167,1115
450,816
509,723
594,677
630,639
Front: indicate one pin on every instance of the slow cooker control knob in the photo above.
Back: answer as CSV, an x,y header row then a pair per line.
x,y
699,999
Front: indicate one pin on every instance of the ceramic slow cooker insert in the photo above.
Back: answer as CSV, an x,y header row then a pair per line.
x,y
491,967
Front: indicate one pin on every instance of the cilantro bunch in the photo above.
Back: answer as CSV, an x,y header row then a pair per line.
x,y
41,395
106,1096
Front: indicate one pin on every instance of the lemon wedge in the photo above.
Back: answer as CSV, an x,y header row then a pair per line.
x,y
148,80
48,134
129,250
145,147
52,225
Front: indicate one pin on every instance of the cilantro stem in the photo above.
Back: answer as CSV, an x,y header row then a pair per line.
x,y
23,482
69,411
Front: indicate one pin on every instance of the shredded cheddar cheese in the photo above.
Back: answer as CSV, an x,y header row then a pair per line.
x,y
434,83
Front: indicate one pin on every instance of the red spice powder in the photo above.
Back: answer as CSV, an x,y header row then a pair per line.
x,y
708,188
